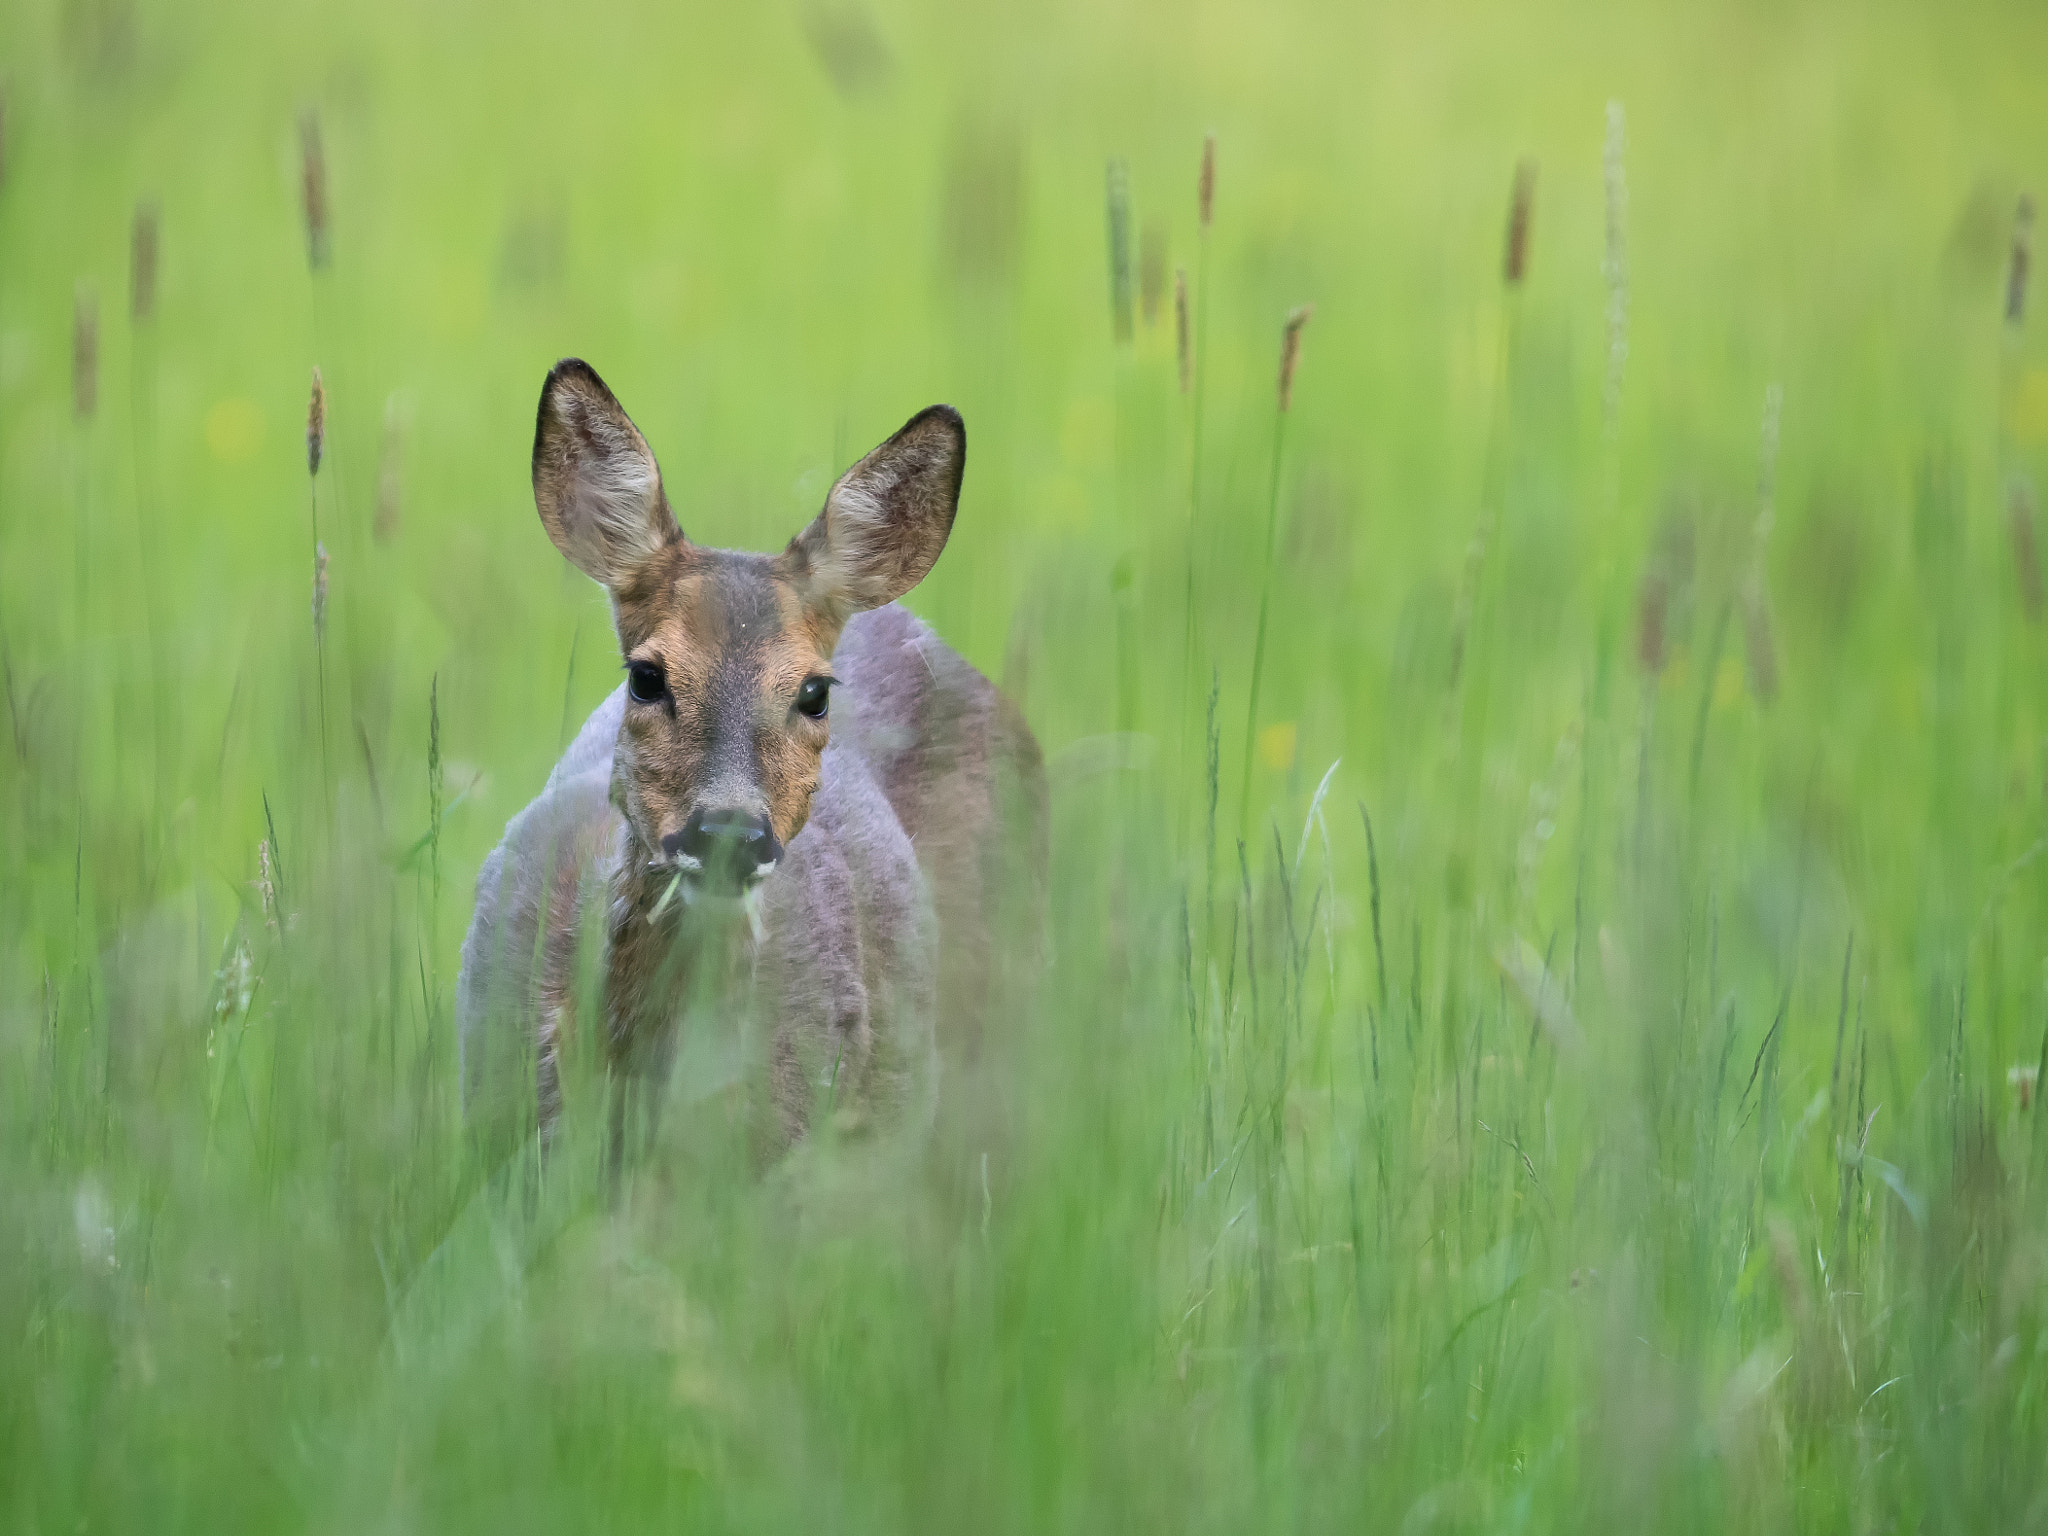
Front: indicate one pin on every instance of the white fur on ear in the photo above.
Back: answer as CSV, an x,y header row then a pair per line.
x,y
595,480
887,518
616,499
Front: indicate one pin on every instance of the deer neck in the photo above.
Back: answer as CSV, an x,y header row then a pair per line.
x,y
666,952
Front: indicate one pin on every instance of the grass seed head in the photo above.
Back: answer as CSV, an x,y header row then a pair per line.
x,y
1151,270
390,473
2024,1078
1182,347
266,885
1653,604
316,424
313,188
1118,183
1759,641
1521,208
85,354
1205,192
319,592
1290,351
2022,259
142,250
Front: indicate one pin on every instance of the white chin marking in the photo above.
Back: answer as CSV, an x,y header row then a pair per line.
x,y
751,905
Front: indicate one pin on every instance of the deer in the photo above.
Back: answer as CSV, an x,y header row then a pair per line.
x,y
800,809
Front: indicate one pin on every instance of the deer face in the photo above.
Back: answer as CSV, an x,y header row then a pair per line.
x,y
728,655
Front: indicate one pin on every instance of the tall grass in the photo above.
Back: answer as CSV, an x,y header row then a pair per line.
x,y
1588,1085
1290,358
1191,345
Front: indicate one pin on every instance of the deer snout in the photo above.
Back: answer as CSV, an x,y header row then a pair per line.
x,y
733,848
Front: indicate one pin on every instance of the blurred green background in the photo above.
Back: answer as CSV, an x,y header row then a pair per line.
x,y
1632,1128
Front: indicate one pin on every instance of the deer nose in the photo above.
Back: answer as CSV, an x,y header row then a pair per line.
x,y
733,845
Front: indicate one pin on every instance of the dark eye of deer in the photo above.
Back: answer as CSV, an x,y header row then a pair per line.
x,y
813,698
646,682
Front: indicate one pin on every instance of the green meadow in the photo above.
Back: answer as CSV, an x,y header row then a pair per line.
x,y
1549,877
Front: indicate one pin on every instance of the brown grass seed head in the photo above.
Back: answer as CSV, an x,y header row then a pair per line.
x,y
1151,270
1205,195
1118,188
1290,351
1653,601
1521,208
1180,328
316,424
319,592
85,354
2022,259
313,188
142,251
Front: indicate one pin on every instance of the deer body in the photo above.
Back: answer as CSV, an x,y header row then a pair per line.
x,y
833,893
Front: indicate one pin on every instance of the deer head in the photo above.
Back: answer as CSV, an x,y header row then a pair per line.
x,y
728,655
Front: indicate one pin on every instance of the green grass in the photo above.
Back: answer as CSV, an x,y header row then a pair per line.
x,y
1618,1135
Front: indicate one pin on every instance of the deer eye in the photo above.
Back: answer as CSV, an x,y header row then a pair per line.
x,y
814,697
646,683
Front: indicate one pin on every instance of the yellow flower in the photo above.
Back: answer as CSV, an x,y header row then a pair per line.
x,y
234,429
2030,408
1276,745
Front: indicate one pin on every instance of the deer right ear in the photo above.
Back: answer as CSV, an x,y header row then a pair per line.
x,y
595,480
886,519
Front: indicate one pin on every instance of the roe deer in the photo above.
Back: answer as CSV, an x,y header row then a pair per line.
x,y
800,804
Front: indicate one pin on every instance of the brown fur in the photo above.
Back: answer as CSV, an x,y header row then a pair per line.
x,y
935,791
730,634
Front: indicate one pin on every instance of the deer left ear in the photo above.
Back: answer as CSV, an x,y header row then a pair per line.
x,y
886,520
595,481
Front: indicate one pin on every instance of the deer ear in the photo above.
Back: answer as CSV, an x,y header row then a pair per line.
x,y
886,520
594,478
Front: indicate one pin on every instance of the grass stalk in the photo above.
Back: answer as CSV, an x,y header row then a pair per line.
x,y
1290,355
85,397
435,786
1565,1247
1194,381
1469,614
1212,777
142,380
316,442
